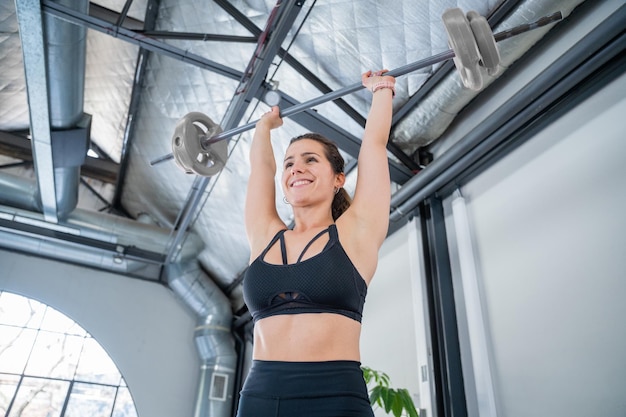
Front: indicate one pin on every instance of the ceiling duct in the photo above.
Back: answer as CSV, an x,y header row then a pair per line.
x,y
19,192
108,236
428,121
213,336
65,47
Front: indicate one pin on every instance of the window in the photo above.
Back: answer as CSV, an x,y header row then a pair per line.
x,y
51,367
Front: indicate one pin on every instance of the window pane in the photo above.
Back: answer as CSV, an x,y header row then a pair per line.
x,y
15,346
55,321
124,405
55,355
90,400
20,311
52,350
96,366
8,384
38,397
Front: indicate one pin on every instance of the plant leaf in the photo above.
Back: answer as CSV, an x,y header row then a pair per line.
x,y
382,379
397,405
375,398
407,402
387,398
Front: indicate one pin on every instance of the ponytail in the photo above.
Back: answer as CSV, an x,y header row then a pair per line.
x,y
341,202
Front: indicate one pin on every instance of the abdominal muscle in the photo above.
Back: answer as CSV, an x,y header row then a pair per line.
x,y
309,337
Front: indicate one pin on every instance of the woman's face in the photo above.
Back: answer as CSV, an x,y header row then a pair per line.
x,y
308,176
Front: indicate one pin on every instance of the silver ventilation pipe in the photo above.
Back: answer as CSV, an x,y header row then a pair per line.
x,y
213,336
45,247
19,192
65,48
430,119
18,203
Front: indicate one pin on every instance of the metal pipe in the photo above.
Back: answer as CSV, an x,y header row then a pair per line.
x,y
77,254
160,34
65,65
20,194
214,340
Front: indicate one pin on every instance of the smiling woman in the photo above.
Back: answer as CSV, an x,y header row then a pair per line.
x,y
51,366
306,286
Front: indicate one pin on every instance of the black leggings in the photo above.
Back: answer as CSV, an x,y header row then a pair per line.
x,y
304,389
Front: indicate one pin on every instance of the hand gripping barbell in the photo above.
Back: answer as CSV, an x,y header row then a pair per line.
x,y
198,144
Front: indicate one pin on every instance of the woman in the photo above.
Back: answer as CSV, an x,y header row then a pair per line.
x,y
305,287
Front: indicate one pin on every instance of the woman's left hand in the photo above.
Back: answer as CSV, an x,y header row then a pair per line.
x,y
369,78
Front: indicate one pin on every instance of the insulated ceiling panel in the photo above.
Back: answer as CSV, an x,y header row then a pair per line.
x,y
109,73
13,100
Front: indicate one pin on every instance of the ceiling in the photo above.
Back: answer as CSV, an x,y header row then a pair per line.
x,y
127,71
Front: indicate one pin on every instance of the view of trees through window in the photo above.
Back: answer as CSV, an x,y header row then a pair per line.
x,y
51,367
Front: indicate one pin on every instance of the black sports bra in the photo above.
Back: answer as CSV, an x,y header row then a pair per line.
x,y
325,283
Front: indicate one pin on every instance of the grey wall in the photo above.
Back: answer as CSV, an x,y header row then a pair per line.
x,y
548,228
388,338
146,330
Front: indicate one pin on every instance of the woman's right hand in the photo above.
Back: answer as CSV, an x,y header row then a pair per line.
x,y
271,119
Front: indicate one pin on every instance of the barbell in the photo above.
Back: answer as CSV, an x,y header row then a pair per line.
x,y
198,143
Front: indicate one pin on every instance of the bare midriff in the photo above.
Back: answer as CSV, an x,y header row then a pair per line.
x,y
310,337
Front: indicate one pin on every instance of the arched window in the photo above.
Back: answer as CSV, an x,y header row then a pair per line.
x,y
51,367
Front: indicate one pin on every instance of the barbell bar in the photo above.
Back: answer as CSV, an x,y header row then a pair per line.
x,y
198,144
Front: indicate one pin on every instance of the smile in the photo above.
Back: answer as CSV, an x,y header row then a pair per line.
x,y
300,182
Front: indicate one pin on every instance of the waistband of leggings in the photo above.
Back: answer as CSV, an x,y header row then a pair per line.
x,y
278,379
306,366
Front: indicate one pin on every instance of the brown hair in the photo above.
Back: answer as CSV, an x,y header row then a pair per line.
x,y
342,199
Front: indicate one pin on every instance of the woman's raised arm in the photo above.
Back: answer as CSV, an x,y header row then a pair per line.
x,y
370,206
261,217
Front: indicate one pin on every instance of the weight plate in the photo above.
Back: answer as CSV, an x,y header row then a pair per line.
x,y
462,42
487,47
190,154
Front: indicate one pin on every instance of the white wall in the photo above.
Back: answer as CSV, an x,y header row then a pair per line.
x,y
388,338
142,325
548,225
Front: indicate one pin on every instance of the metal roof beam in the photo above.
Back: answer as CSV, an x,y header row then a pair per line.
x,y
99,12
258,67
133,107
29,17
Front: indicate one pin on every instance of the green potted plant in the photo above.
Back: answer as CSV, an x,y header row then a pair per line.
x,y
395,401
